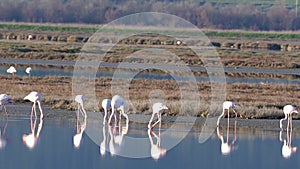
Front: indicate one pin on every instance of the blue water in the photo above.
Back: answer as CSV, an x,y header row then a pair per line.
x,y
55,149
60,71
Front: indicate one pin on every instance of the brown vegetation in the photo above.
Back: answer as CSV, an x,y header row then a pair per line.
x,y
256,100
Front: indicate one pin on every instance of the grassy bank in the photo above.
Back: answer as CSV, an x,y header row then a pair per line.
x,y
97,28
257,101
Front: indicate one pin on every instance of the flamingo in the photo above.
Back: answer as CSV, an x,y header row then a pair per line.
x,y
288,110
4,98
80,99
30,37
118,103
28,71
106,104
227,105
35,97
157,107
12,70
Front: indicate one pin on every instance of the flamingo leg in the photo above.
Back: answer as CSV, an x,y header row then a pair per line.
x,y
111,115
125,115
159,120
105,115
149,124
286,116
291,122
34,109
5,110
83,111
40,107
235,113
223,112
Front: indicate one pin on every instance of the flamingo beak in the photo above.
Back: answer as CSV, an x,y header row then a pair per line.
x,y
11,101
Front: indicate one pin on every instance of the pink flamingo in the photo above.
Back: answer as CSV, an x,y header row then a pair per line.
x,y
4,98
36,98
288,110
227,105
157,107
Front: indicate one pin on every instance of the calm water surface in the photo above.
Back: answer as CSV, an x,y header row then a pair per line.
x,y
53,147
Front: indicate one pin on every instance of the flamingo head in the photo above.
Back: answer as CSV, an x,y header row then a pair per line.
x,y
235,104
10,100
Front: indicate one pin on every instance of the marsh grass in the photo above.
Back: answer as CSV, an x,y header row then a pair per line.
x,y
257,101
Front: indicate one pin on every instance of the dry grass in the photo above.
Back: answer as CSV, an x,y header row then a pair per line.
x,y
256,100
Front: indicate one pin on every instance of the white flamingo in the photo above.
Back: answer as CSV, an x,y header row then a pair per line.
x,y
156,108
80,99
80,125
12,70
227,105
118,104
106,104
36,98
30,37
28,71
288,110
4,98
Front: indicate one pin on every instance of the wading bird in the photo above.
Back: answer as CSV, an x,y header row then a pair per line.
x,y
227,105
106,103
156,108
80,125
36,98
4,98
288,110
28,71
12,70
118,104
80,99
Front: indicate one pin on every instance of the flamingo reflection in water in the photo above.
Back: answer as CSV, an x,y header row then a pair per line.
x,y
116,134
226,146
80,121
31,139
287,149
3,139
104,143
157,151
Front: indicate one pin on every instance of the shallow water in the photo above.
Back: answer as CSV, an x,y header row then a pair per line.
x,y
60,71
54,148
